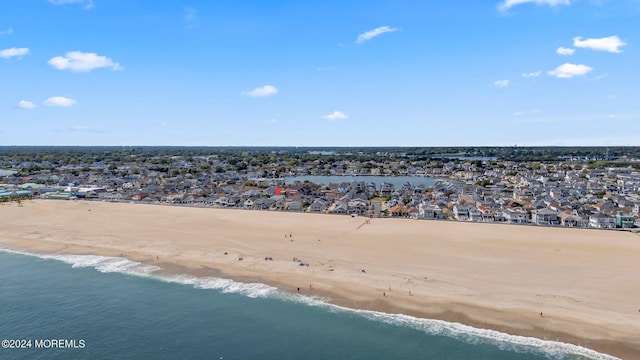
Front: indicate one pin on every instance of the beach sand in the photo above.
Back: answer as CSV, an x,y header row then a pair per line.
x,y
572,285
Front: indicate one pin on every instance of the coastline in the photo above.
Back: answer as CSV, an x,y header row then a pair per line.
x,y
496,277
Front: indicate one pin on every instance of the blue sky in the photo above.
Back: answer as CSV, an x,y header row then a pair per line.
x,y
322,73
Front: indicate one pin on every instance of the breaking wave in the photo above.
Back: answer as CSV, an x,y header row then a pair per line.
x,y
468,334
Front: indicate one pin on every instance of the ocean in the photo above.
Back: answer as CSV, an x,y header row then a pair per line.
x,y
93,307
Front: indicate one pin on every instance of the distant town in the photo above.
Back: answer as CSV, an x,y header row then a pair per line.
x,y
584,187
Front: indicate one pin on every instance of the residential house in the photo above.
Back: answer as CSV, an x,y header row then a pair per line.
x,y
545,217
278,202
601,221
427,210
569,219
461,212
399,211
358,206
318,206
293,205
263,203
248,204
339,209
515,217
474,214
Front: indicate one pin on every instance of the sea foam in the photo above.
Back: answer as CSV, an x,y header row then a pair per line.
x,y
468,334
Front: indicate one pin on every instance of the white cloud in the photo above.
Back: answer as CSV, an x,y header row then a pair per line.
x,y
27,105
565,51
9,31
88,4
336,115
79,61
501,83
507,4
11,52
271,121
566,71
610,44
532,74
266,90
60,101
373,33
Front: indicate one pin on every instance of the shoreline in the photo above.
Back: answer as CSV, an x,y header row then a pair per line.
x,y
338,249
450,317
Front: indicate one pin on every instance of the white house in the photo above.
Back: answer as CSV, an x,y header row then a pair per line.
x,y
600,221
544,217
514,217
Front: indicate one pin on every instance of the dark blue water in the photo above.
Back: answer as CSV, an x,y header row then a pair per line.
x,y
121,316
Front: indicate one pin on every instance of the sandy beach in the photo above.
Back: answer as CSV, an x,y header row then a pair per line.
x,y
572,285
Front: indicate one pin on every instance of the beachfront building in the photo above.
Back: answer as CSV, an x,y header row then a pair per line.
x,y
35,189
461,212
60,195
294,205
569,219
487,214
358,207
338,209
600,221
475,214
263,203
399,211
515,217
318,206
15,194
544,217
624,221
429,211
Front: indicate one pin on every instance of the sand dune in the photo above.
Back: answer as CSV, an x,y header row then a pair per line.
x,y
586,283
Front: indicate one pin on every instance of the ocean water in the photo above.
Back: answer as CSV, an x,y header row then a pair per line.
x,y
112,308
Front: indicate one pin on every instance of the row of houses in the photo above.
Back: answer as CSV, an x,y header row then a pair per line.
x,y
546,195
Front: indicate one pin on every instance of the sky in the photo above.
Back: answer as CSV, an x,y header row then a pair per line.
x,y
320,73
